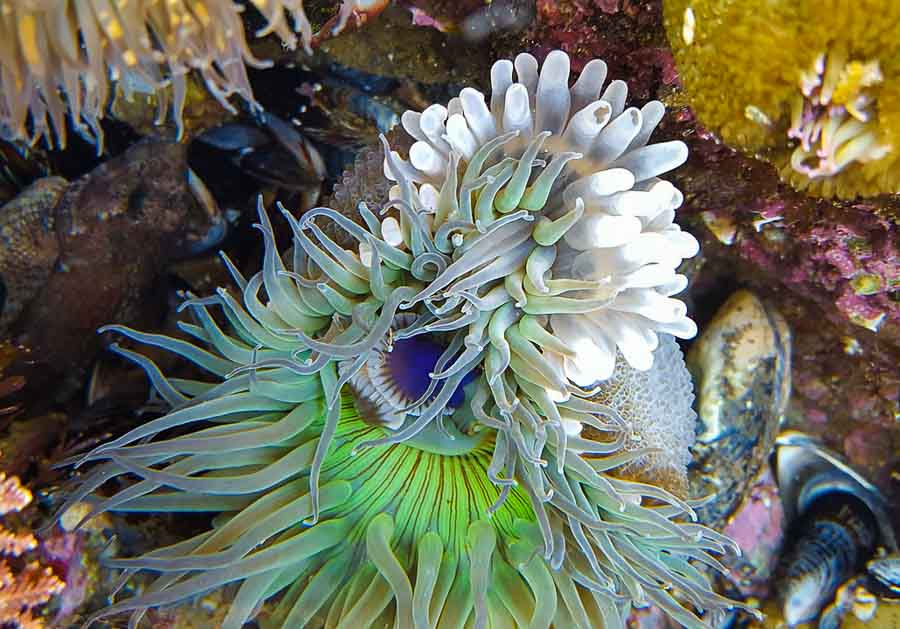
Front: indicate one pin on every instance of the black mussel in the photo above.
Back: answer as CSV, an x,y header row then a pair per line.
x,y
836,521
885,572
267,150
741,365
862,594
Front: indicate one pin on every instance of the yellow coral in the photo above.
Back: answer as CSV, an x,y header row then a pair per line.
x,y
813,86
20,593
13,497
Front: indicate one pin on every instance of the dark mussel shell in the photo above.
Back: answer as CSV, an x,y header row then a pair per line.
x,y
836,520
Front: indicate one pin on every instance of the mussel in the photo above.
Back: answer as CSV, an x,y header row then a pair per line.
x,y
885,571
836,520
742,369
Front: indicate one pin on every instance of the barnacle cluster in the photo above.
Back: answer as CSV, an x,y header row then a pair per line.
x,y
407,429
823,105
62,58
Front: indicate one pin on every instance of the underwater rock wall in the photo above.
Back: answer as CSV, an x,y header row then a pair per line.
x,y
113,249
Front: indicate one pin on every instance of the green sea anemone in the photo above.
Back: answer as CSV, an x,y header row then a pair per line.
x,y
408,432
63,57
812,86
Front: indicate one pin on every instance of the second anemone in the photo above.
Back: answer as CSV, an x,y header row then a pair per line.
x,y
401,427
64,59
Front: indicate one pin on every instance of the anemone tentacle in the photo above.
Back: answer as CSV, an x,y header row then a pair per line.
x,y
65,58
424,429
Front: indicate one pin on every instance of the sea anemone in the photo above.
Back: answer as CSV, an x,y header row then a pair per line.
x,y
60,57
408,432
824,106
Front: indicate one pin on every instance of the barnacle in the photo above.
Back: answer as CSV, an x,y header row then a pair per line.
x,y
407,432
810,86
62,57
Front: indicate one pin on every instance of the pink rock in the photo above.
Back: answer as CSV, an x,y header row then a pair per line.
x,y
421,18
64,552
816,416
649,618
863,447
758,528
607,6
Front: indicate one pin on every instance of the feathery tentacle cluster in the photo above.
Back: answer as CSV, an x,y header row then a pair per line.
x,y
62,57
527,243
833,117
824,108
